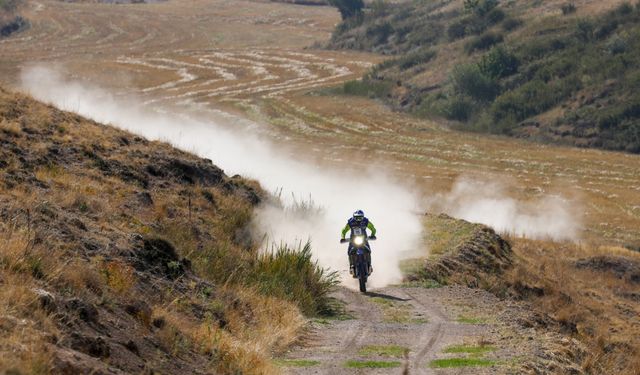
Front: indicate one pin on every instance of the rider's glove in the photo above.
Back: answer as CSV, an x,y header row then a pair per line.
x,y
343,240
372,237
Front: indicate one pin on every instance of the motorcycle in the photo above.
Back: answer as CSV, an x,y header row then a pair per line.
x,y
359,241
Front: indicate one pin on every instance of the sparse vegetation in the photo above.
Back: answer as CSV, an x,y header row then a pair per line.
x,y
551,83
568,8
348,8
297,362
470,320
461,362
470,349
384,350
372,364
588,293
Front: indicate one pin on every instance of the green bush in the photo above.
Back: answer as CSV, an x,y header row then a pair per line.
x,y
471,81
348,8
568,9
499,63
367,88
528,100
511,24
459,108
291,274
415,58
585,30
483,42
379,32
480,7
457,29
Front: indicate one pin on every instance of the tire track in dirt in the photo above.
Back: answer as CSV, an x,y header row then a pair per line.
x,y
424,329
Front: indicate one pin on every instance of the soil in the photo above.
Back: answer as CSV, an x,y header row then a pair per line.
x,y
427,321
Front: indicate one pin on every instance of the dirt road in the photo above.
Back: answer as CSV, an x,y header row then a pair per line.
x,y
415,330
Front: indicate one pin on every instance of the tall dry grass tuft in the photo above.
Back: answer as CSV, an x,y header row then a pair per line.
x,y
118,276
24,327
254,327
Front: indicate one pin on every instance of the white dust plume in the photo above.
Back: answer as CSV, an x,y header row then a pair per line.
x,y
489,202
389,204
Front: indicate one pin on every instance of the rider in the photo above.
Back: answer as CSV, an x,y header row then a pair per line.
x,y
359,221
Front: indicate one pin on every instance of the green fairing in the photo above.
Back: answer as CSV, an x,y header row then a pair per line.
x,y
369,226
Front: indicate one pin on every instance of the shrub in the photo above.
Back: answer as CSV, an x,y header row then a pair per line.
x,y
617,45
367,88
483,42
528,100
511,24
416,58
291,274
624,9
568,9
348,8
380,8
584,30
457,30
380,32
459,108
495,16
499,63
470,80
480,7
9,5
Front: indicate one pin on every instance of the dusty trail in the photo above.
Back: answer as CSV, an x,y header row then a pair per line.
x,y
420,322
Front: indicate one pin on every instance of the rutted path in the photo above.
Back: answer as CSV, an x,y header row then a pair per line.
x,y
407,328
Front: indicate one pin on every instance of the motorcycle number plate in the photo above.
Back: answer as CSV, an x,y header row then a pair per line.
x,y
357,232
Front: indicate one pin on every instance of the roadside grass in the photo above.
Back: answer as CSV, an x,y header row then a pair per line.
x,y
394,312
461,362
384,350
473,350
372,364
296,362
464,319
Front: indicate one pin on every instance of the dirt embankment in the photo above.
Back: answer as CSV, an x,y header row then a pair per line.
x,y
462,253
119,255
582,292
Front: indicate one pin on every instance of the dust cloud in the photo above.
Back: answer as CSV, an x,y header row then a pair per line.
x,y
335,193
315,201
489,202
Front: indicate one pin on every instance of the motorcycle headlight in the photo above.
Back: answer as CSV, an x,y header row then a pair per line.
x,y
358,241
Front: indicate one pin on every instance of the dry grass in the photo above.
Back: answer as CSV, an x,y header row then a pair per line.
x,y
24,328
596,306
254,330
70,226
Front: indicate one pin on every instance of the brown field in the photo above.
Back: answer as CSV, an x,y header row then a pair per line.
x,y
252,58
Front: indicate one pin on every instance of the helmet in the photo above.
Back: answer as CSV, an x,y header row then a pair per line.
x,y
358,215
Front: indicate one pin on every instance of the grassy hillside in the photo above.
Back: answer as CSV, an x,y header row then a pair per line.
x,y
10,21
586,292
120,255
563,75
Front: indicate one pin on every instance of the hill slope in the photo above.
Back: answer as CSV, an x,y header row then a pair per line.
x,y
549,72
121,255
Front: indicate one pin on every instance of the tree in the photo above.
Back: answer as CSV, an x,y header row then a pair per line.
x,y
348,8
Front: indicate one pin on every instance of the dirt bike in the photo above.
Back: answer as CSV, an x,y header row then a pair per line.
x,y
360,243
